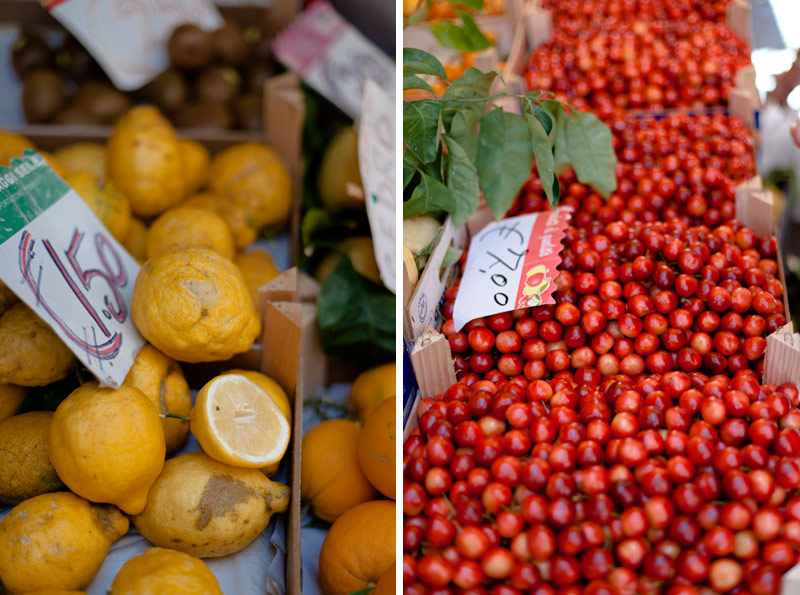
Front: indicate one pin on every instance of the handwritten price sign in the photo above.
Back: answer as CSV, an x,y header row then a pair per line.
x,y
65,265
511,264
333,57
376,161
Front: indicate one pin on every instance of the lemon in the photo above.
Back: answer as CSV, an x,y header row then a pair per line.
x,y
25,469
185,227
205,508
160,571
107,445
144,161
88,157
237,422
273,389
108,203
161,380
371,387
56,541
257,269
31,354
192,304
11,397
411,266
360,251
12,145
339,168
234,215
136,242
195,159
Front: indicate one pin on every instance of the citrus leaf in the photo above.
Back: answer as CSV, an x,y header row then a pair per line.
x,y
592,152
473,4
473,84
505,156
561,154
464,130
418,62
410,164
475,39
451,256
462,180
421,124
414,82
545,164
431,197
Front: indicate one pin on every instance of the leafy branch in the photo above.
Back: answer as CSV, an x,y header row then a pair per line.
x,y
465,37
460,145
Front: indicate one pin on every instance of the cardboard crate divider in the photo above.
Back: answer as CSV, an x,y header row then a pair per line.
x,y
432,363
737,17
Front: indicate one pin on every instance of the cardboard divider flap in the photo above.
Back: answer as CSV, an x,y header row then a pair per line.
x,y
782,356
433,363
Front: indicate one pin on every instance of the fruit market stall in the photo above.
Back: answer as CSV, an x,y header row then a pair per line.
x,y
191,264
621,420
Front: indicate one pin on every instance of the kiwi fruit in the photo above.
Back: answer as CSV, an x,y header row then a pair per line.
x,y
257,74
30,52
190,47
229,44
249,109
74,115
208,115
168,91
102,100
42,95
218,83
75,61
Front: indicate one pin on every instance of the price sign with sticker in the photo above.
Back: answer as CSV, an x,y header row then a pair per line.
x,y
333,57
376,160
60,260
511,264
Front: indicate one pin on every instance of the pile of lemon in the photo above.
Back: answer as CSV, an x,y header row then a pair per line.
x,y
348,479
78,477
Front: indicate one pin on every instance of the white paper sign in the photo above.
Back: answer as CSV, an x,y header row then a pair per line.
x,y
376,161
511,264
129,39
60,260
333,57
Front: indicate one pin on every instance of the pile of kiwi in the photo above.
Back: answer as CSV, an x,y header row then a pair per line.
x,y
215,80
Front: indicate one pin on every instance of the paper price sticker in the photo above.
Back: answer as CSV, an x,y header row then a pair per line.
x,y
376,160
129,39
511,264
60,260
333,57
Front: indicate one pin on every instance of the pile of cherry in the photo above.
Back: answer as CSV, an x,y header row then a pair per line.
x,y
673,484
590,12
647,65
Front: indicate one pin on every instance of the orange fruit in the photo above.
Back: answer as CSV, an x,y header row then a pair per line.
x,y
371,387
376,448
359,548
386,584
330,476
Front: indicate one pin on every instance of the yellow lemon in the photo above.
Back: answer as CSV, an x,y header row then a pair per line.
x,y
108,203
161,380
160,571
107,445
237,422
143,160
192,304
185,227
11,397
253,176
56,541
339,168
257,269
88,157
234,215
12,145
209,509
361,253
25,469
195,159
330,477
136,242
273,389
371,387
32,354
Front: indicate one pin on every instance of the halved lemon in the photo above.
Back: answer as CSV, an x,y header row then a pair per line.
x,y
237,422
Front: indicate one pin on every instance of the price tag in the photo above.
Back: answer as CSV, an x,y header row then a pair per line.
x,y
333,57
511,264
129,39
60,260
376,161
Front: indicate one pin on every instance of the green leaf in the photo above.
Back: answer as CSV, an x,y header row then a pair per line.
x,y
464,129
356,317
592,152
418,62
419,15
415,82
462,180
450,36
561,157
410,165
363,591
477,40
505,156
422,121
451,256
545,117
545,164
474,4
431,197
473,84
319,225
